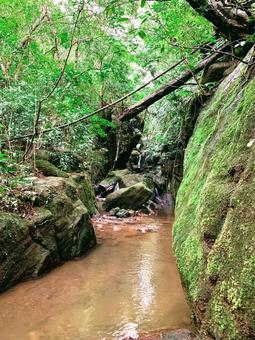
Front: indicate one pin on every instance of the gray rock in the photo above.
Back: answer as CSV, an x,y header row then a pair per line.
x,y
114,211
129,198
123,213
59,230
124,179
48,169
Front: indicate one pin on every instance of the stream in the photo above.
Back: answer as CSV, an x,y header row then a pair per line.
x,y
127,286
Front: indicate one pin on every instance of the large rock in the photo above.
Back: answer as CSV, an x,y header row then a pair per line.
x,y
63,159
108,184
77,186
214,237
20,256
48,169
128,178
129,198
85,190
59,229
122,179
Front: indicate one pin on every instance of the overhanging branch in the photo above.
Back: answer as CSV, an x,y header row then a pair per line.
x,y
171,86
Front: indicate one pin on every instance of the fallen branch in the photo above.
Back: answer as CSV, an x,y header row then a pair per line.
x,y
172,86
83,118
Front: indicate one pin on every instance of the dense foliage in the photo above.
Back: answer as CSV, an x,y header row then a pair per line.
x,y
113,46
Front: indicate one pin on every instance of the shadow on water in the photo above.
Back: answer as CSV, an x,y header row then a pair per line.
x,y
126,286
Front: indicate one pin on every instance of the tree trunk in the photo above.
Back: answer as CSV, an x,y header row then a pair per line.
x,y
232,18
171,86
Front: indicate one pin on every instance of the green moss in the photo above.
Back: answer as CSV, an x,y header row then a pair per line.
x,y
214,230
224,326
86,191
48,169
129,198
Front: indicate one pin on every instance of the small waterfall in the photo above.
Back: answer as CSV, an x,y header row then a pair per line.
x,y
139,161
151,211
157,196
117,187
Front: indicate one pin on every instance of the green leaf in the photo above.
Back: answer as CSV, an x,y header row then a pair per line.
x,y
64,38
191,67
213,39
123,19
143,21
142,34
143,2
110,10
251,38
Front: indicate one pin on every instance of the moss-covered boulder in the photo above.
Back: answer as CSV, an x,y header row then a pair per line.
x,y
15,246
132,197
63,159
214,238
58,229
128,178
48,169
122,178
77,186
67,200
85,190
108,184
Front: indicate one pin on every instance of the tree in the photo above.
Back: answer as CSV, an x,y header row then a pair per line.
x,y
231,17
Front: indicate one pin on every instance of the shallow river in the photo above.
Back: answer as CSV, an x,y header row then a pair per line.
x,y
126,286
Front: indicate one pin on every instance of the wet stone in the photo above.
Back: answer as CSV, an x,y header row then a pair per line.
x,y
121,213
178,334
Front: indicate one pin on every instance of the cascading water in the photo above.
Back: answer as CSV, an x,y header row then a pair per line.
x,y
117,187
139,161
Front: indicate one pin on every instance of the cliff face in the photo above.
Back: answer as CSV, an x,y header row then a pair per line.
x,y
214,232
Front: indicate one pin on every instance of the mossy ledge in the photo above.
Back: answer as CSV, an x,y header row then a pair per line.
x,y
214,237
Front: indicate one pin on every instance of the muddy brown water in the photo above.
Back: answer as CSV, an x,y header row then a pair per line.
x,y
126,286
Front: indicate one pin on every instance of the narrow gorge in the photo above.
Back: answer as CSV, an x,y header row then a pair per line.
x,y
127,169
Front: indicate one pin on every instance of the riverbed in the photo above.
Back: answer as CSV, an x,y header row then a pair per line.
x,y
128,285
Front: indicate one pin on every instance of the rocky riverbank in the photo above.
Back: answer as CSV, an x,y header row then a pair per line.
x,y
55,227
53,223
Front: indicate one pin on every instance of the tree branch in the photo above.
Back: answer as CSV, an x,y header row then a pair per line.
x,y
175,86
171,86
231,22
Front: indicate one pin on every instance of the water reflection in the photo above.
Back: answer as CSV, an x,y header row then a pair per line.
x,y
128,330
127,285
145,290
